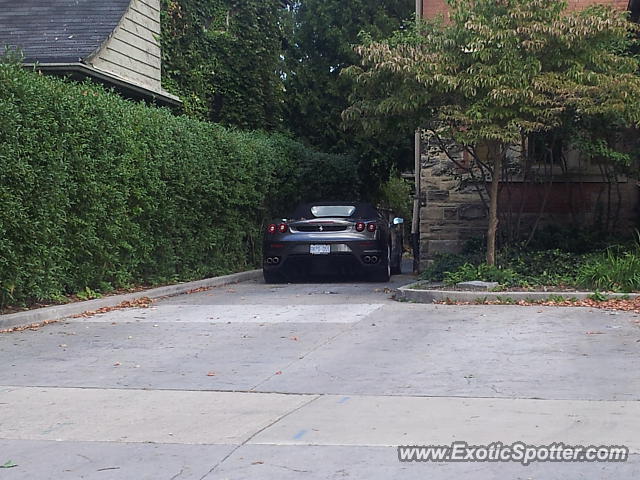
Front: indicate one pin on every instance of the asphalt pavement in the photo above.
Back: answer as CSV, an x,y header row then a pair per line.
x,y
315,381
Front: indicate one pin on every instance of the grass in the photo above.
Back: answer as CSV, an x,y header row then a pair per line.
x,y
614,268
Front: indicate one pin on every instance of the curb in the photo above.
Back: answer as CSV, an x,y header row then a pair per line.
x,y
58,312
409,293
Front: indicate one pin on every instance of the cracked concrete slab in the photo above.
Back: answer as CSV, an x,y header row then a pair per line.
x,y
159,416
261,314
389,421
268,462
39,459
397,363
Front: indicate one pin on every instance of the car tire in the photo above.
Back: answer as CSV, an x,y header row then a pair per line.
x,y
396,269
383,272
272,277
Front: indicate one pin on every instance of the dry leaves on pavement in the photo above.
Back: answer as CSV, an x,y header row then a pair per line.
x,y
626,305
142,302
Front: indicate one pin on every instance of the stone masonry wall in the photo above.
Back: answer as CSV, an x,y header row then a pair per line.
x,y
451,214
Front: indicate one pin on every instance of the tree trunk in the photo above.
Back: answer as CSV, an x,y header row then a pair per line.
x,y
496,153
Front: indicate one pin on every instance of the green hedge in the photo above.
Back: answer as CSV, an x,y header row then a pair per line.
x,y
100,192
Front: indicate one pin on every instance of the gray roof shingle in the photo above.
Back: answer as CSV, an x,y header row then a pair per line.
x,y
58,31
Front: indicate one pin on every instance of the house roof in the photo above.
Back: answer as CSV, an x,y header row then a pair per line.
x,y
58,31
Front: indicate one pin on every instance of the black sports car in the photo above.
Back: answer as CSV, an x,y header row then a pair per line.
x,y
333,238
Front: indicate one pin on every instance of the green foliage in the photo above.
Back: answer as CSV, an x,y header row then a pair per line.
x,y
323,33
88,294
445,263
598,297
556,298
484,272
504,69
540,267
611,271
99,192
395,194
617,268
223,57
498,72
570,239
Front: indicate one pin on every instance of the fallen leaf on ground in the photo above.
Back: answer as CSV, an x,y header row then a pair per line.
x,y
595,333
619,304
32,326
8,464
142,302
211,374
117,364
198,290
279,372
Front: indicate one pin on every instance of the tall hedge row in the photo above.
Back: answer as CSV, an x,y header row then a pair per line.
x,y
100,192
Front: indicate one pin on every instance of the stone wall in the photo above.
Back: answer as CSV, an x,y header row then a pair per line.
x,y
449,214
452,212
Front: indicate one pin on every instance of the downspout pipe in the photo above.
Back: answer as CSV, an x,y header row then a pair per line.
x,y
415,224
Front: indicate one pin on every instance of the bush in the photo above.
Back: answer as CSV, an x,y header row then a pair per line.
x,y
611,271
615,269
395,195
443,264
484,272
97,190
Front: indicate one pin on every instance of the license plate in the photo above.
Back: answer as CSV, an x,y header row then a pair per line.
x,y
320,249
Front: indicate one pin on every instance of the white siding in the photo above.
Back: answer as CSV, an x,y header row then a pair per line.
x,y
133,50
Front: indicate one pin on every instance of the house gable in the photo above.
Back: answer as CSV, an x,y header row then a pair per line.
x,y
132,51
114,42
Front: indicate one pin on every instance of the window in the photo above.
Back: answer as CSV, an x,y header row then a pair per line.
x,y
333,210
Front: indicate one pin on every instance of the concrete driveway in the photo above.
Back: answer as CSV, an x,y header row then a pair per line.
x,y
315,381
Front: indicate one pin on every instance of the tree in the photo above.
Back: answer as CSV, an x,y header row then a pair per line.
x,y
323,33
499,72
224,58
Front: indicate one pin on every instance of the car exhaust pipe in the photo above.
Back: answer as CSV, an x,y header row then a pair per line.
x,y
374,259
276,260
367,259
269,261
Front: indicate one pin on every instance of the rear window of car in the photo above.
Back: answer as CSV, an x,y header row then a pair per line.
x,y
333,210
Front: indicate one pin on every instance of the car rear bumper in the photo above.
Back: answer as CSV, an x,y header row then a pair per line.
x,y
343,256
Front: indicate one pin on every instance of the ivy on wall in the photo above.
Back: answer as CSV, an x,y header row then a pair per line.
x,y
223,57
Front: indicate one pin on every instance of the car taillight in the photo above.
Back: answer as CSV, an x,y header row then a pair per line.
x,y
372,227
271,229
283,228
360,227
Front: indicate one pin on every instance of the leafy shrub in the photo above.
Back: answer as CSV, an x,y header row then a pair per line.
x,y
484,272
395,194
97,190
547,267
570,239
443,264
617,268
611,271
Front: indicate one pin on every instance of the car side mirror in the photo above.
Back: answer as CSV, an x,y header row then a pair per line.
x,y
398,221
